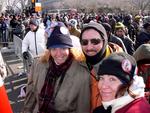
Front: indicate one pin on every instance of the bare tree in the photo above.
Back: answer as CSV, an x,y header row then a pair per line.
x,y
77,4
140,4
83,4
2,4
16,4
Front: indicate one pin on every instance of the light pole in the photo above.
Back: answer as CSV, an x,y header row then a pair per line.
x,y
33,5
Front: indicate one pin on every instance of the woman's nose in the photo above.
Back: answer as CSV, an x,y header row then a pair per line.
x,y
105,84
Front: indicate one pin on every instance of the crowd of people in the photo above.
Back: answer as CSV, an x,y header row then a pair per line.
x,y
85,63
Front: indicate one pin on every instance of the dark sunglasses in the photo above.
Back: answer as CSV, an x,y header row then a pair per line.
x,y
94,41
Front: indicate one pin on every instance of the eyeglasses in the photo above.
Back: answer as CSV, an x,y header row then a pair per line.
x,y
94,41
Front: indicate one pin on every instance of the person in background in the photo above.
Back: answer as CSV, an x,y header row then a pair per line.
x,y
72,26
94,43
120,31
121,89
112,22
137,23
58,81
33,44
34,41
3,32
49,29
142,57
128,22
112,38
144,35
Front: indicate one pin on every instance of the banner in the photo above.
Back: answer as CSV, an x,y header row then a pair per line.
x,y
38,7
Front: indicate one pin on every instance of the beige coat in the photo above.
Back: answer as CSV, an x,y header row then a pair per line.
x,y
74,93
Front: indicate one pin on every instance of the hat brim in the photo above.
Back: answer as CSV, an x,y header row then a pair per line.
x,y
60,46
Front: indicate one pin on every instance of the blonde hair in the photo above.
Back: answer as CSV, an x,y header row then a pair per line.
x,y
77,54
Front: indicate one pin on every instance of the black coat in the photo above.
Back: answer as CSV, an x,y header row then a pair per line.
x,y
128,44
101,109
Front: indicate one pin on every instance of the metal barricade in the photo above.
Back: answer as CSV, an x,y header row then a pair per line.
x,y
27,63
18,46
18,51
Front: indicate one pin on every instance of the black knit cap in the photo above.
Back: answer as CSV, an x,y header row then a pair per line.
x,y
121,65
59,38
107,27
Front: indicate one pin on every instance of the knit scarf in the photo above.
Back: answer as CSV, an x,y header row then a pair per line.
x,y
47,97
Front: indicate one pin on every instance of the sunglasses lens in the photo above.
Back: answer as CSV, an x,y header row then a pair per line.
x,y
84,42
95,41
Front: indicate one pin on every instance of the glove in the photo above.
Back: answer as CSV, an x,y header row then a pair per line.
x,y
25,55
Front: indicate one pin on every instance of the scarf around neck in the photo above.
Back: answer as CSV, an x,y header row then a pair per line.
x,y
47,96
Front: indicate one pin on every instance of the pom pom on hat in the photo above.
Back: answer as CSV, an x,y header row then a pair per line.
x,y
59,38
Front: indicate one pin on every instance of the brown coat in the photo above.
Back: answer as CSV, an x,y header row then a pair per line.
x,y
74,92
75,32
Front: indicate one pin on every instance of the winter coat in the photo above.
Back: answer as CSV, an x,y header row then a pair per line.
x,y
73,95
34,42
128,44
142,38
126,103
118,41
95,97
75,32
139,105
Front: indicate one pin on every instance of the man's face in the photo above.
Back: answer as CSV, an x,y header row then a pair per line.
x,y
91,42
120,33
33,27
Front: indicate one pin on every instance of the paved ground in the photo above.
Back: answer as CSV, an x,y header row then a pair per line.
x,y
13,82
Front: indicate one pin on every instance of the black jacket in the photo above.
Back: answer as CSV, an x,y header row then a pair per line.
x,y
101,109
128,44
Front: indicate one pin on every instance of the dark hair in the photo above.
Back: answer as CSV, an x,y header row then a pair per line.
x,y
125,88
146,25
143,61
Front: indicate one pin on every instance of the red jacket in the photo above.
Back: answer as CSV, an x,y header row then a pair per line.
x,y
139,105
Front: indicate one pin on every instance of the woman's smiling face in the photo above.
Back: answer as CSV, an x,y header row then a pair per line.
x,y
59,55
108,86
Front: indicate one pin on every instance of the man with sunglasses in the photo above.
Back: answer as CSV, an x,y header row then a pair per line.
x,y
94,42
